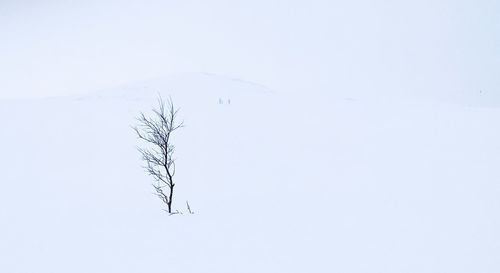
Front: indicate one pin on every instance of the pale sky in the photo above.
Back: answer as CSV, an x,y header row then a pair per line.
x,y
55,47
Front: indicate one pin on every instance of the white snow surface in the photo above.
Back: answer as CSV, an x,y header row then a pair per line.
x,y
278,183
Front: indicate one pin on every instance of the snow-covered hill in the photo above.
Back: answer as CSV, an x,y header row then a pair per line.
x,y
279,183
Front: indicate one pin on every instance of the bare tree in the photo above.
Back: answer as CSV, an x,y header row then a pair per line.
x,y
156,131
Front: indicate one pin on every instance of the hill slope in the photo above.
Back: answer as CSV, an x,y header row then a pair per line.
x,y
278,183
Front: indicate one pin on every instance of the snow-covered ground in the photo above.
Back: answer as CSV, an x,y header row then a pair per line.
x,y
278,183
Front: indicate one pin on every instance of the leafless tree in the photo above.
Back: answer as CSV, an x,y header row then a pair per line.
x,y
156,131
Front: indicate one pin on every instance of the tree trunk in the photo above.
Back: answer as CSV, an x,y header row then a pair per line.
x,y
170,199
